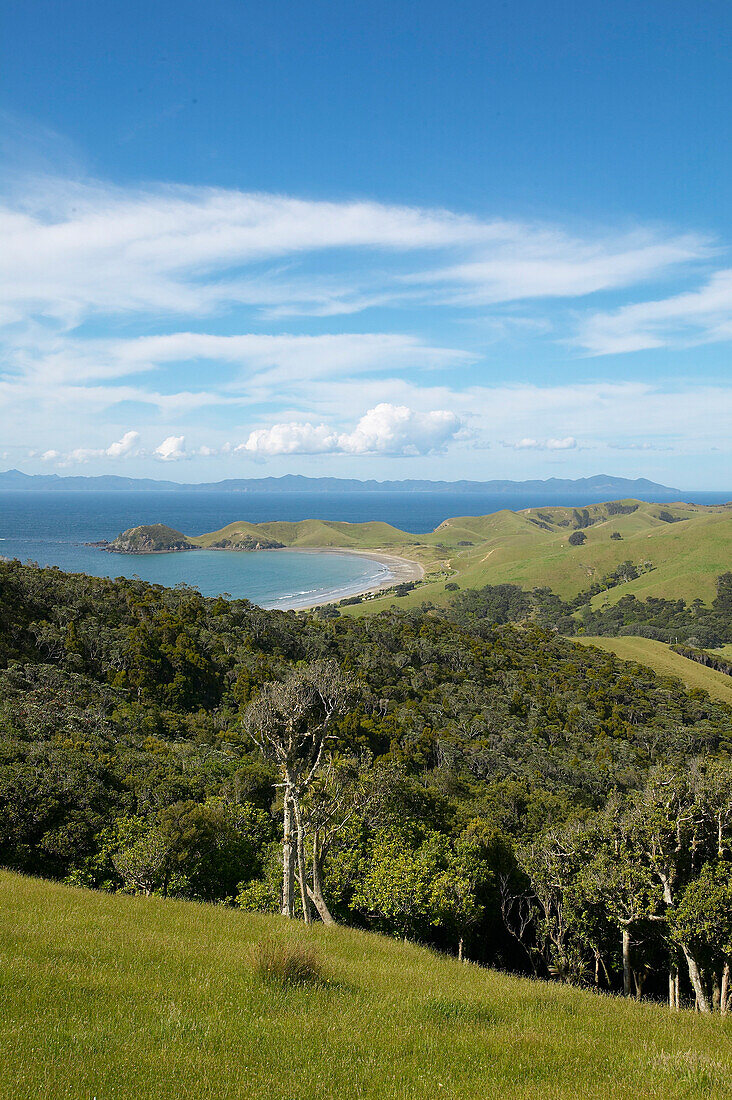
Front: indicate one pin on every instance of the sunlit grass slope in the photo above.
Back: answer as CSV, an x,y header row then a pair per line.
x,y
531,549
310,533
663,660
119,998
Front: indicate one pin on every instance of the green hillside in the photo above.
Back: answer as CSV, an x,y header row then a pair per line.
x,y
663,660
531,549
116,997
311,533
687,545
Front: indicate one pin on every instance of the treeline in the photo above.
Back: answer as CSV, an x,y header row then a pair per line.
x,y
702,657
645,882
669,621
400,772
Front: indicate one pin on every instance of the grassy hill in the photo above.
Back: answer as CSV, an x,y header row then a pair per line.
x,y
116,997
531,549
528,548
663,660
309,533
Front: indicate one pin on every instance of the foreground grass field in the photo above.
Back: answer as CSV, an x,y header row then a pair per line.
x,y
115,997
662,659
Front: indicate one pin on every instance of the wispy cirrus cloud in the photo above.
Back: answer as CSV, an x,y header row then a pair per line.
x,y
695,317
549,263
72,250
566,443
147,305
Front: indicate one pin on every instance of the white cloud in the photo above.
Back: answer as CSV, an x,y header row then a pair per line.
x,y
171,449
541,262
384,430
123,446
73,250
396,429
234,368
291,439
697,317
110,259
566,443
619,411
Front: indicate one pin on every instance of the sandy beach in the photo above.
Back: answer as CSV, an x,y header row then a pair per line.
x,y
397,570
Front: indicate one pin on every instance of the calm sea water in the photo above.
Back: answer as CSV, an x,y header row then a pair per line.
x,y
52,527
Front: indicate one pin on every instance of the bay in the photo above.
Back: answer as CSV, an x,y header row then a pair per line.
x,y
51,528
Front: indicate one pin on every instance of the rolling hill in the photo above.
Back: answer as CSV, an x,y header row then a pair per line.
x,y
683,548
115,997
531,549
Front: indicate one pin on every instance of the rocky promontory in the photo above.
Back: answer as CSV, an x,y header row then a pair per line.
x,y
153,538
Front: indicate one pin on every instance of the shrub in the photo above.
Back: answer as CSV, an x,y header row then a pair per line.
x,y
577,538
616,535
287,963
452,587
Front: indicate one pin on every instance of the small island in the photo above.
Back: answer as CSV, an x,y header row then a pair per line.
x,y
154,538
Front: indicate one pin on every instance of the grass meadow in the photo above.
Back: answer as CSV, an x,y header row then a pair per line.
x,y
510,548
118,997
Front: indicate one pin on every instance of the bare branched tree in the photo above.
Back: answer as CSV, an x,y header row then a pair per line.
x,y
290,722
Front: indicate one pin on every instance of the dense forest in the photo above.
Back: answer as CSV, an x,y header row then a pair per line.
x,y
673,621
466,777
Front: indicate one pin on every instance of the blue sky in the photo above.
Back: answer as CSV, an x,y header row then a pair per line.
x,y
377,239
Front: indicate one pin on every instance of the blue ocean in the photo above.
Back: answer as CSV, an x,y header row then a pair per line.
x,y
51,528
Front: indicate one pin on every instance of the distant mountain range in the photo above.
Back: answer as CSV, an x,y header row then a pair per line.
x,y
599,487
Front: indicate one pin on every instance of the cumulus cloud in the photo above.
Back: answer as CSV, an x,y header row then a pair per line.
x,y
171,449
123,446
396,429
119,449
384,430
291,439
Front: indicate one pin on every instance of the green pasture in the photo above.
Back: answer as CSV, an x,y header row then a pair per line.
x,y
119,997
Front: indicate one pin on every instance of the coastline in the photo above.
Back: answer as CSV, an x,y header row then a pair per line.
x,y
394,570
397,570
